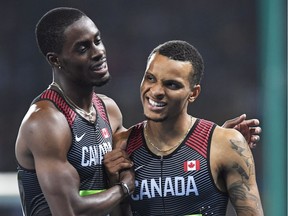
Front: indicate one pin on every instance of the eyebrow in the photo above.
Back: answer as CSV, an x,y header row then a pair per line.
x,y
87,41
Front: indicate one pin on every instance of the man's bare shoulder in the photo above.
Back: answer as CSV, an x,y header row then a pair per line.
x,y
224,135
228,142
42,130
43,113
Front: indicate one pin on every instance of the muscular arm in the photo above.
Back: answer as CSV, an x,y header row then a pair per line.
x,y
43,142
237,169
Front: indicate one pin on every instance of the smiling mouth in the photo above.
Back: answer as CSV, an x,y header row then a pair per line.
x,y
156,104
99,67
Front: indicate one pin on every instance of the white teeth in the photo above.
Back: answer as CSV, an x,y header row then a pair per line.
x,y
156,104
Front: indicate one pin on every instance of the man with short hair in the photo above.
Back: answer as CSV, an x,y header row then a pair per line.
x,y
68,128
184,165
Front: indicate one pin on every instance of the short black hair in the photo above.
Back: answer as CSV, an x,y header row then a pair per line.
x,y
183,51
50,28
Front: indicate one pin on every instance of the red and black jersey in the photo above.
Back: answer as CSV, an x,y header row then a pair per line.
x,y
90,142
180,183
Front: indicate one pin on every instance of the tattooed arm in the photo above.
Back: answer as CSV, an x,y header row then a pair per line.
x,y
234,171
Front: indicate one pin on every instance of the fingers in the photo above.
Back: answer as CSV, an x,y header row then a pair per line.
x,y
232,123
118,165
255,130
255,136
116,153
123,144
252,145
254,140
116,160
250,128
252,122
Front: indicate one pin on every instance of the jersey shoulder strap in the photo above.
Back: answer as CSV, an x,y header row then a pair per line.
x,y
59,102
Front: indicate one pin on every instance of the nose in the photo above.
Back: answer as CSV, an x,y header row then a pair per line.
x,y
157,90
97,52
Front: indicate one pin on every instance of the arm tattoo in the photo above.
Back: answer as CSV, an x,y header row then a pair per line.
x,y
239,190
242,151
241,171
238,193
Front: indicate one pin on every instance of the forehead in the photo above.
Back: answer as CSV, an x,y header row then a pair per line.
x,y
165,67
81,30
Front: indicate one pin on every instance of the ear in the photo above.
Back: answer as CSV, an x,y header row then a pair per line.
x,y
194,93
53,59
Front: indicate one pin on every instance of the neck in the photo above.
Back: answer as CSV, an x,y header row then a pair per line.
x,y
169,127
88,112
164,137
79,96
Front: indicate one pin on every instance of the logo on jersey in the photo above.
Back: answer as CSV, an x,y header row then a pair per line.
x,y
105,133
78,139
191,165
139,167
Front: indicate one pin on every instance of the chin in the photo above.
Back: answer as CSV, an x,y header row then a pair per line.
x,y
102,82
155,119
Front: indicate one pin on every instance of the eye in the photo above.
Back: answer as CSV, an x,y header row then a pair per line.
x,y
82,49
173,85
97,40
150,78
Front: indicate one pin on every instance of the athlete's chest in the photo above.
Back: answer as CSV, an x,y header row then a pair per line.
x,y
90,143
179,174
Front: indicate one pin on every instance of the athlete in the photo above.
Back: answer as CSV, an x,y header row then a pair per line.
x,y
184,165
68,128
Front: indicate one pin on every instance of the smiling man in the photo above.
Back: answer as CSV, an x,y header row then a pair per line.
x,y
185,165
68,128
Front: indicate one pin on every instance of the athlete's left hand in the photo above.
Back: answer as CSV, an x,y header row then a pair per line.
x,y
250,128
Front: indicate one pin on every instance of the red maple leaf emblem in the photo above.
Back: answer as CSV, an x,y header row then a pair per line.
x,y
191,165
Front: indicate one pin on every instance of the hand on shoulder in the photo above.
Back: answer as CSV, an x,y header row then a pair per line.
x,y
249,128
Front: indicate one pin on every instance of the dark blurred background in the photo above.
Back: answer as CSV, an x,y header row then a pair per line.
x,y
227,34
